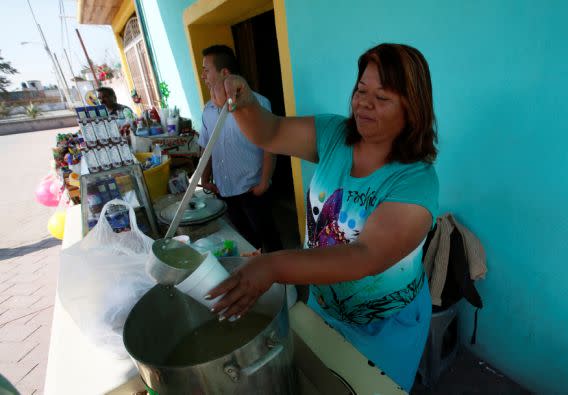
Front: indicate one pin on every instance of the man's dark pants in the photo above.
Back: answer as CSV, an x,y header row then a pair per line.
x,y
252,217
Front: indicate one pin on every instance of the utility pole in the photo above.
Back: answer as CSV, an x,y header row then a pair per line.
x,y
64,80
74,79
88,59
60,78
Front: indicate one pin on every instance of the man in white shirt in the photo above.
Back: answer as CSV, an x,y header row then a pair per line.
x,y
238,171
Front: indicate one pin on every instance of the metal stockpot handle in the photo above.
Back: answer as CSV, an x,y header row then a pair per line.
x,y
260,362
234,371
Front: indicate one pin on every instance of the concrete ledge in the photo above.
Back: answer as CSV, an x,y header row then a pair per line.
x,y
40,123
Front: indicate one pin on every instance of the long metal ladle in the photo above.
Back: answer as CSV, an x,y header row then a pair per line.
x,y
162,272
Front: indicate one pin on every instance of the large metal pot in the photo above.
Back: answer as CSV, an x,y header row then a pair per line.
x,y
164,314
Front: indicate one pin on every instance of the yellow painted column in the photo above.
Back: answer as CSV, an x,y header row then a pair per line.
x,y
199,38
290,106
122,16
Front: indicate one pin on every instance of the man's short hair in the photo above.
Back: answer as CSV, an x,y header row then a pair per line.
x,y
223,58
109,91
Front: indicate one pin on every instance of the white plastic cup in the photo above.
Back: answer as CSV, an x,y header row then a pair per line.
x,y
210,243
183,238
207,276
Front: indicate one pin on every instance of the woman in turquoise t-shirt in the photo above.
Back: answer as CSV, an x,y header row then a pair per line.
x,y
371,202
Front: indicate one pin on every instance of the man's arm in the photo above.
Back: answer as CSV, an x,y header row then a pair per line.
x,y
207,175
207,179
268,165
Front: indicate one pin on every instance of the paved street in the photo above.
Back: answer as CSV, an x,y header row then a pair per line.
x,y
29,259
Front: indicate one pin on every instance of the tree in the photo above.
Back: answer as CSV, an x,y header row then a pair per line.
x,y
5,69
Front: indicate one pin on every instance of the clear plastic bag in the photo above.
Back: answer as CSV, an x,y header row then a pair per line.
x,y
101,279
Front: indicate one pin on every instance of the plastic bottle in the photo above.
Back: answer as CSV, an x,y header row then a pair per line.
x,y
112,129
101,131
156,129
103,157
172,122
157,155
88,133
125,154
91,159
114,155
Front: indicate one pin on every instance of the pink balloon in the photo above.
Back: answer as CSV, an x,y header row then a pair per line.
x,y
47,192
54,188
48,178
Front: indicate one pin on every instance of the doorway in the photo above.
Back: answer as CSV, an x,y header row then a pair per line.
x,y
256,48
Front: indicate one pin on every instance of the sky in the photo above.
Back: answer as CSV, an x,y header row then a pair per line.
x,y
31,60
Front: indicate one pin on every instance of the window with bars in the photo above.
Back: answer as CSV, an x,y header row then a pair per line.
x,y
139,64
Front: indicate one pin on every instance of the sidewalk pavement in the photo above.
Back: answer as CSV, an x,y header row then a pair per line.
x,y
29,260
28,275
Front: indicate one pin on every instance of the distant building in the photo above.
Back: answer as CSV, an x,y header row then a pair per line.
x,y
31,90
34,85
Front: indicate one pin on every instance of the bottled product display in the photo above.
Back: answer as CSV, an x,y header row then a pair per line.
x,y
104,145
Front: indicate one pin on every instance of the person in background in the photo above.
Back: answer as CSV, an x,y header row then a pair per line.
x,y
371,202
238,171
107,96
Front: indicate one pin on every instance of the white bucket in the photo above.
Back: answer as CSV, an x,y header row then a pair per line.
x,y
207,276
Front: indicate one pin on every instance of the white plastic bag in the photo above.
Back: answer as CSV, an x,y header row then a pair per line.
x,y
102,277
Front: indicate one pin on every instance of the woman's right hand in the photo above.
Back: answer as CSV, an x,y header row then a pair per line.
x,y
294,136
233,87
243,288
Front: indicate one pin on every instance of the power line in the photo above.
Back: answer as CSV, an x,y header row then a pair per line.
x,y
61,27
60,77
64,19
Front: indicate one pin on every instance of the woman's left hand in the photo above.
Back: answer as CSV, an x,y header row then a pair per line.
x,y
243,288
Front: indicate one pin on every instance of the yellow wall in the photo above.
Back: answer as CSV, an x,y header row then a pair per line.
x,y
290,106
119,21
201,37
209,22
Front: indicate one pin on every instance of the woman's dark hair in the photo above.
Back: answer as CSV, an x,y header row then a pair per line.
x,y
403,70
223,58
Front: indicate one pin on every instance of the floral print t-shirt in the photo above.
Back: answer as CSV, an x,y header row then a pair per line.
x,y
338,206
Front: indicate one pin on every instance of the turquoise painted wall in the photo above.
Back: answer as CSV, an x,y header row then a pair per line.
x,y
500,77
164,21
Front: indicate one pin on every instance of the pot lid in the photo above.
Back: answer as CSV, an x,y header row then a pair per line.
x,y
199,210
